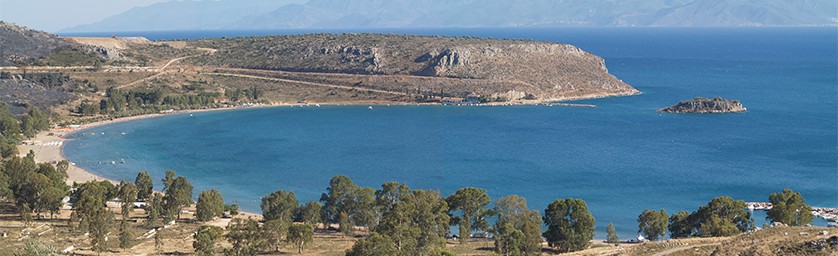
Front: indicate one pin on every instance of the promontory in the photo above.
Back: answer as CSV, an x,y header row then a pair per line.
x,y
120,76
705,105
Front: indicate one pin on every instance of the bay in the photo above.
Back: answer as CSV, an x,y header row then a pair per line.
x,y
621,157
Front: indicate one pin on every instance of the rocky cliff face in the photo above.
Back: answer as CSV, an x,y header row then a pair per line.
x,y
705,105
509,69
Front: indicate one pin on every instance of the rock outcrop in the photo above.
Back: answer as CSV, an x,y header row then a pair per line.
x,y
705,105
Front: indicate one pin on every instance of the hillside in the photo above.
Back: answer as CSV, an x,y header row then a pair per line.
x,y
22,46
504,70
228,14
122,76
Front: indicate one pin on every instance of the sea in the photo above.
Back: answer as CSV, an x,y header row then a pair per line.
x,y
621,157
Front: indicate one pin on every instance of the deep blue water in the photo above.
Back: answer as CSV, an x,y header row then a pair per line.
x,y
621,157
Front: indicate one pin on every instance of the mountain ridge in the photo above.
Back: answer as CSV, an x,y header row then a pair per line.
x,y
262,14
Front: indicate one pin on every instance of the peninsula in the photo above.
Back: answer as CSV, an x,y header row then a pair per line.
x,y
125,76
705,105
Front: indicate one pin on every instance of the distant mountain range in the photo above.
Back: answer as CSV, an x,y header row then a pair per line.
x,y
274,14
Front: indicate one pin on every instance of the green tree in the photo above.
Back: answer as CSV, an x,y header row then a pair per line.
x,y
279,205
612,238
145,186
178,195
653,224
36,193
90,197
517,229
275,232
570,226
345,224
300,235
338,198
168,179
389,194
789,208
153,208
470,202
309,213
205,239
362,207
210,205
417,223
101,221
33,122
245,237
722,216
375,244
680,225
124,234
127,194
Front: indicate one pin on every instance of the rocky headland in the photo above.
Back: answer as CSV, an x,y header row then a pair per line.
x,y
705,105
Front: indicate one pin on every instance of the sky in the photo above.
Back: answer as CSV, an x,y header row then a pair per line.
x,y
54,15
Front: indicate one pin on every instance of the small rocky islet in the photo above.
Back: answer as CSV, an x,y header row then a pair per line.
x,y
701,105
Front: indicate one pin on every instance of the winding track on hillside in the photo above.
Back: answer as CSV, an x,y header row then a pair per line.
x,y
162,69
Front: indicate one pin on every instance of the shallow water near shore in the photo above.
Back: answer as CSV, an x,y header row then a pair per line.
x,y
621,157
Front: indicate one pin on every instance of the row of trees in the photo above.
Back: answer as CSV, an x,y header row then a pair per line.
x,y
723,216
118,103
416,222
400,220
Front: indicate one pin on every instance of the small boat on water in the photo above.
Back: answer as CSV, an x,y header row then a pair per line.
x,y
370,107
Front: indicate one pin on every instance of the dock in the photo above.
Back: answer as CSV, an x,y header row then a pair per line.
x,y
829,214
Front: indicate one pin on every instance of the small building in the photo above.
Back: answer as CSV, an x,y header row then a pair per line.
x,y
472,98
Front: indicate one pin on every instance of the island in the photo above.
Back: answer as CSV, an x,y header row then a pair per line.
x,y
703,105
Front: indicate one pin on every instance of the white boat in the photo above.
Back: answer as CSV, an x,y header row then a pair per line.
x,y
370,107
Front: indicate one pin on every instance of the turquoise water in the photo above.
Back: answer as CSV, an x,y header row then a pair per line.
x,y
621,157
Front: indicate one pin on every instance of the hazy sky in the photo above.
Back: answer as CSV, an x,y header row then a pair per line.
x,y
53,15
